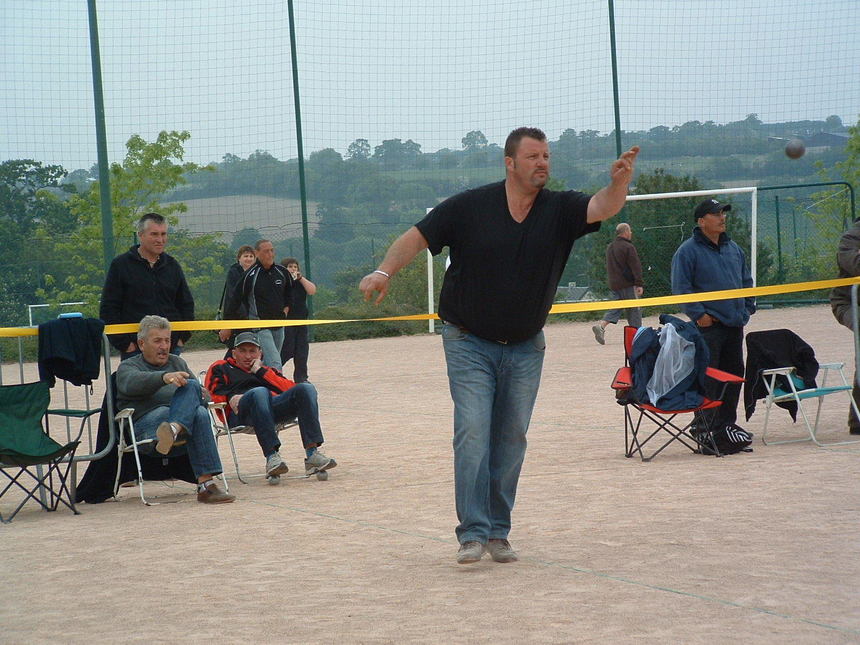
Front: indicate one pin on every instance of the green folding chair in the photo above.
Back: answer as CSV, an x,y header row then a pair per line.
x,y
29,457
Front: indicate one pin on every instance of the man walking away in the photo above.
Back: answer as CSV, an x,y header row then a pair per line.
x,y
624,274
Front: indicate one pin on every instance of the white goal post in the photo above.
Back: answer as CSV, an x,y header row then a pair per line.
x,y
719,191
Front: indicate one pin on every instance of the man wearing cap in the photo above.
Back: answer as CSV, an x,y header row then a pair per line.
x,y
260,396
711,261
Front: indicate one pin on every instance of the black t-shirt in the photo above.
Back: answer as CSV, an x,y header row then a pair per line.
x,y
503,274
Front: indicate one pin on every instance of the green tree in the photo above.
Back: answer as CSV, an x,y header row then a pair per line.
x,y
407,294
659,227
358,150
832,216
473,140
394,153
31,195
247,236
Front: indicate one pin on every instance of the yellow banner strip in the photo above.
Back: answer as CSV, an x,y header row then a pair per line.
x,y
593,305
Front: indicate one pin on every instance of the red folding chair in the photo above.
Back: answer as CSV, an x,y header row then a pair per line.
x,y
635,438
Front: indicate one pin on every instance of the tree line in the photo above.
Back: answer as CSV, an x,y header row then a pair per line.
x,y
50,222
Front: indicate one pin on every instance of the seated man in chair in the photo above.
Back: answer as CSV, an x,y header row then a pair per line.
x,y
168,406
260,396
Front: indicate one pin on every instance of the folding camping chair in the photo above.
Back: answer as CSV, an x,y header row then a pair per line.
x,y
28,452
221,428
636,437
128,442
785,387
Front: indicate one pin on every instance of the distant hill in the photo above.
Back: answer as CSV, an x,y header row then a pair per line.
x,y
274,217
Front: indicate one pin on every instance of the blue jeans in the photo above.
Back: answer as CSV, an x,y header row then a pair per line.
x,y
185,408
260,409
494,387
271,341
633,314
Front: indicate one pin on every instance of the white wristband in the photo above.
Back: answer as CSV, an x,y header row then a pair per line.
x,y
380,272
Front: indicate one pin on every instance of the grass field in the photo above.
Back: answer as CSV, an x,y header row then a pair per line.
x,y
274,217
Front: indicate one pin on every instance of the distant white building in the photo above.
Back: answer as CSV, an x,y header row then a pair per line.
x,y
573,293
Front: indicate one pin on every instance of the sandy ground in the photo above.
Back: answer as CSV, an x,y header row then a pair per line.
x,y
758,547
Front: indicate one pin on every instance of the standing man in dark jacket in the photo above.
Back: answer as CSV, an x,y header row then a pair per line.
x,y
265,292
624,274
710,261
146,281
848,261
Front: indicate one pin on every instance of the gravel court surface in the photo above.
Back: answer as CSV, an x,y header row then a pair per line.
x,y
758,547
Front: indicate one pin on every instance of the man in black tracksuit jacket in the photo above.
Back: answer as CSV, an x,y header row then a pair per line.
x,y
146,281
266,292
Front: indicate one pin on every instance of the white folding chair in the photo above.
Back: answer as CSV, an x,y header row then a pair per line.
x,y
127,441
798,393
221,428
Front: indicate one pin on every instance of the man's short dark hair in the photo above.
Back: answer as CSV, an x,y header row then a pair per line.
x,y
514,138
149,217
260,243
288,261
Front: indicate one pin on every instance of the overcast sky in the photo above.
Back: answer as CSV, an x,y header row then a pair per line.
x,y
428,71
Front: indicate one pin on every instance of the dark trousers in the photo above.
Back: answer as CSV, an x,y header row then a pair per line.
x,y
842,313
853,422
296,347
727,354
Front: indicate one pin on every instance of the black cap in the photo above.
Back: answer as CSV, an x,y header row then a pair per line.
x,y
710,206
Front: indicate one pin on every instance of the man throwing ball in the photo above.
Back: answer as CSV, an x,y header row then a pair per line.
x,y
509,242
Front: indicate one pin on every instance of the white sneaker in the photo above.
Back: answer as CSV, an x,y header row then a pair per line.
x,y
275,465
318,462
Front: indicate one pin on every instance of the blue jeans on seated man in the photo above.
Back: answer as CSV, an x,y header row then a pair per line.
x,y
260,409
494,387
270,342
185,408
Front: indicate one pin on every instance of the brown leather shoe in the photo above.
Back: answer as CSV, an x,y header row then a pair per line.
x,y
168,435
214,495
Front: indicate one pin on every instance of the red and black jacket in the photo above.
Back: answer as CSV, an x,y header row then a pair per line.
x,y
225,379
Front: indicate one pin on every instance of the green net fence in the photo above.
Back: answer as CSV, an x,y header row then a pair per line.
x,y
401,105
